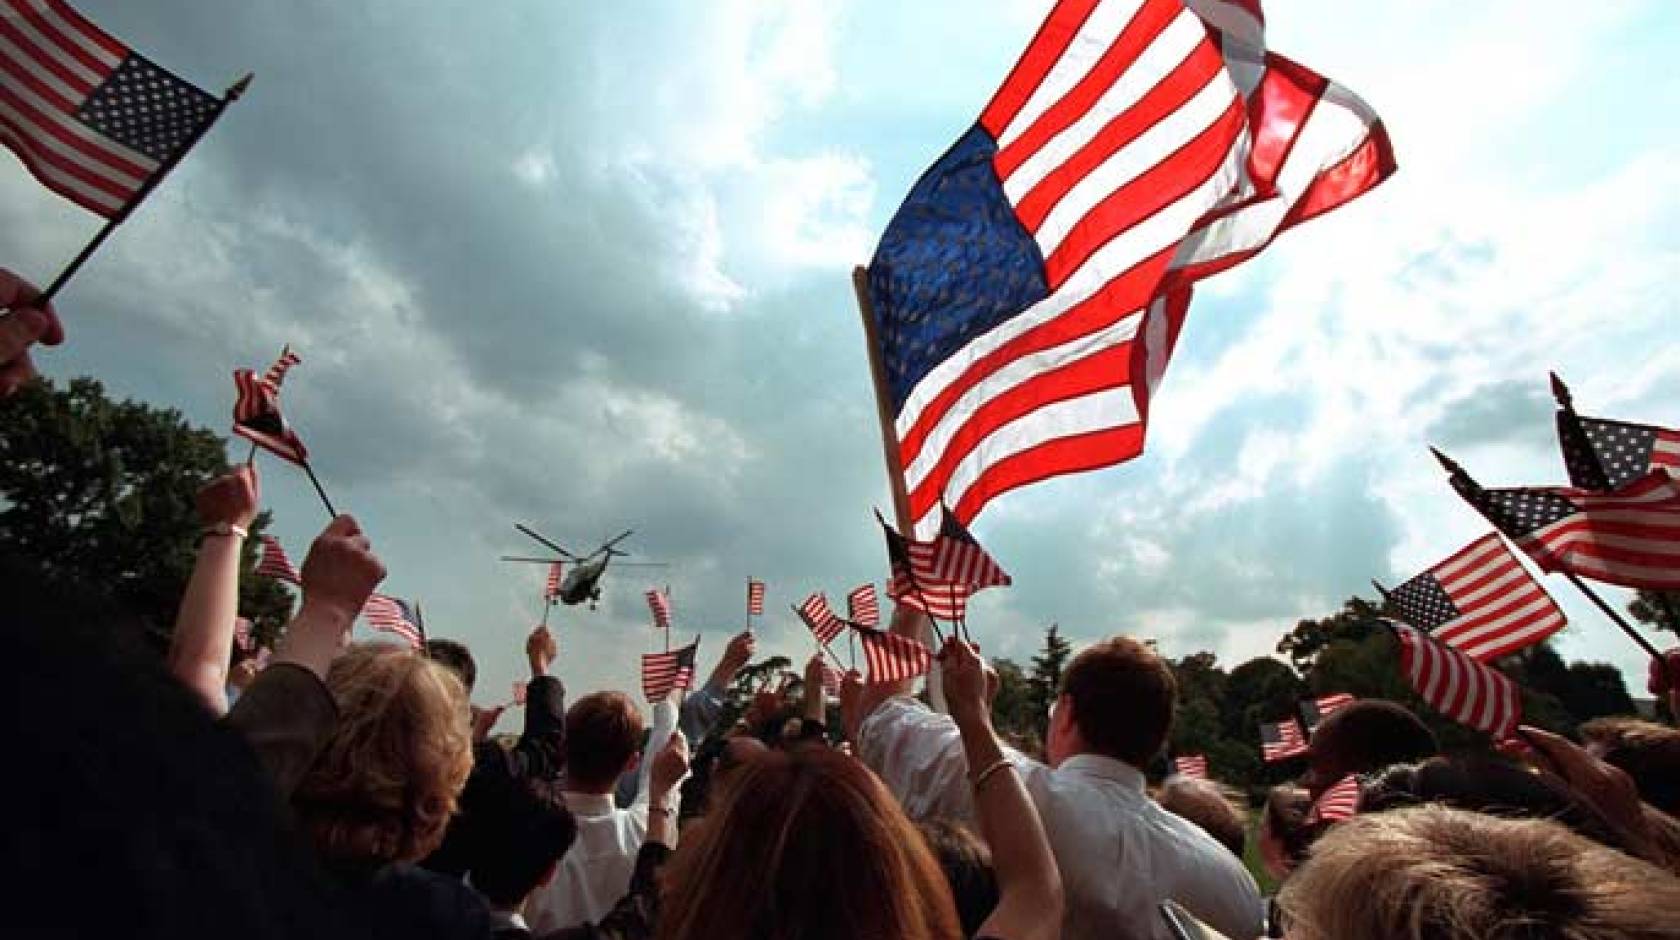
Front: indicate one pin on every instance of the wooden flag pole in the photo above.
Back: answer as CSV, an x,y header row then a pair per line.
x,y
420,624
228,97
331,512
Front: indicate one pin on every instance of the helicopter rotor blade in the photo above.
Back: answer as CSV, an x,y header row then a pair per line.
x,y
534,561
608,547
642,564
533,534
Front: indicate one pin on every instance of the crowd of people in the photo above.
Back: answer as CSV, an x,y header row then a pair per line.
x,y
351,789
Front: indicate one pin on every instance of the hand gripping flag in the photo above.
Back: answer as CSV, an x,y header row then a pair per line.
x,y
863,607
394,616
1191,765
256,410
1027,294
1605,455
92,119
1282,740
1459,687
1315,710
1481,600
755,598
892,658
820,618
673,669
659,604
273,563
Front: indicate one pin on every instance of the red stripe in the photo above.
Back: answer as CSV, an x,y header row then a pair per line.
x,y
67,166
1145,26
1047,46
1355,175
61,40
1277,110
1503,606
1106,369
1160,186
1461,588
42,59
49,124
37,161
89,31
1050,459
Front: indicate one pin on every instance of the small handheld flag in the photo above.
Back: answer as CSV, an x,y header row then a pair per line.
x,y
664,672
257,417
1315,710
1481,600
755,598
863,608
1282,740
273,563
395,616
1191,765
820,618
551,587
1461,688
659,604
892,658
1339,802
1604,455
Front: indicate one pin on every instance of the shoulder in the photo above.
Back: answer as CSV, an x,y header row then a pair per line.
x,y
404,899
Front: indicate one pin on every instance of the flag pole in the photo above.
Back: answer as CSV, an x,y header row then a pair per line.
x,y
331,512
232,94
420,623
1459,473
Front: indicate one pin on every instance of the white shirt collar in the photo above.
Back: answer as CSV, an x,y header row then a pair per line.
x,y
588,804
1106,768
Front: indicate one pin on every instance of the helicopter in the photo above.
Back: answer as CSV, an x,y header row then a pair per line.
x,y
583,575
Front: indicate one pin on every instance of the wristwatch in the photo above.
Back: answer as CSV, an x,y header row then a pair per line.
x,y
227,528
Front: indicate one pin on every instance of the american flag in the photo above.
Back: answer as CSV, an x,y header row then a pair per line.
x,y
955,557
395,616
242,634
660,604
1481,600
519,691
942,600
1601,454
551,589
673,669
1339,802
94,120
1028,293
273,563
1282,740
1191,765
1467,691
863,607
820,618
891,657
256,410
755,598
1315,710
1630,537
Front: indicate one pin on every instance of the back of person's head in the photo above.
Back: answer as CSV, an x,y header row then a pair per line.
x,y
805,842
1435,873
1285,836
457,658
603,737
1122,695
1363,737
385,784
1217,809
967,864
529,835
1648,752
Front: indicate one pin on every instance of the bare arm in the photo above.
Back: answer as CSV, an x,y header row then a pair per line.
x,y
339,574
813,709
202,644
1029,885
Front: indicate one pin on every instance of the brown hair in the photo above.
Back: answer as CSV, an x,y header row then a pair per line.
x,y
603,731
1219,810
1123,695
384,785
1284,820
1444,874
805,843
1649,752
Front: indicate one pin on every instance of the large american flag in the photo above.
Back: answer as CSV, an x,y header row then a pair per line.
x,y
1029,291
256,410
755,598
1601,454
824,624
1481,600
659,604
1467,691
395,616
863,607
891,657
92,119
673,669
1282,740
1191,765
273,563
1630,537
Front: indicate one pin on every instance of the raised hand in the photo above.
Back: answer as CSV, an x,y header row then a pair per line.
x,y
231,499
814,671
23,327
669,767
340,571
738,653
540,651
970,682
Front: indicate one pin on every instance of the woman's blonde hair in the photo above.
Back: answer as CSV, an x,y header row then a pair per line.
x,y
385,784
1434,873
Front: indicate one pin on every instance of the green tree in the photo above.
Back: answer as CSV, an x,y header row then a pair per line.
x,y
1012,710
1256,691
1303,645
96,498
1660,609
1046,677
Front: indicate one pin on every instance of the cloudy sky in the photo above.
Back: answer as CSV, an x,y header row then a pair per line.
x,y
586,266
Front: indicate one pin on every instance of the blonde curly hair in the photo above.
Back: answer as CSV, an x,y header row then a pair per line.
x,y
385,784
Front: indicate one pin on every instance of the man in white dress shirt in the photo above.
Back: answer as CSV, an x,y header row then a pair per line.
x,y
1120,854
603,742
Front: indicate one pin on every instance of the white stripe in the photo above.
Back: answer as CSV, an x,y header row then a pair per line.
x,y
21,61
73,34
1565,543
1144,153
1615,571
1470,600
1230,19
58,53
1118,256
95,139
1522,637
1006,378
1333,130
1464,639
59,178
1666,448
1169,50
1095,36
1111,408
1449,570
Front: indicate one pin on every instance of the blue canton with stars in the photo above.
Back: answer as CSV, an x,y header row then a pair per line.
x,y
1422,602
1517,512
953,263
148,110
1605,455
